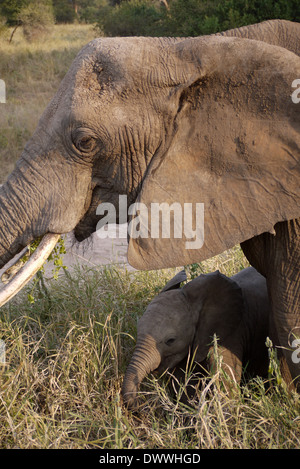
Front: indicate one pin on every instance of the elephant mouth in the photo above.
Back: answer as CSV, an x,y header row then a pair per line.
x,y
24,273
88,224
85,228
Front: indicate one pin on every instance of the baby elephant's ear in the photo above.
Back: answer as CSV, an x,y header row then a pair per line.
x,y
175,281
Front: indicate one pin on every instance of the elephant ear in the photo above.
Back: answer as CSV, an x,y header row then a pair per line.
x,y
218,304
175,281
231,169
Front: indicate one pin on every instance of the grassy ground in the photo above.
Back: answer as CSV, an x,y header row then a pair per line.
x,y
66,353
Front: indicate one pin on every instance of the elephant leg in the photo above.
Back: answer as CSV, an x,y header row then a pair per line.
x,y
284,368
277,257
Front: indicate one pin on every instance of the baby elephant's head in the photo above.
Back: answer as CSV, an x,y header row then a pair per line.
x,y
177,320
169,323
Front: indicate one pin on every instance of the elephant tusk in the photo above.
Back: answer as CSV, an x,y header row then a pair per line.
x,y
31,267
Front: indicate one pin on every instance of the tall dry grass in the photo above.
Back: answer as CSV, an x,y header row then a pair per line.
x,y
66,355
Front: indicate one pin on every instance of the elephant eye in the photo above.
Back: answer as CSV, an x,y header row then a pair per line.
x,y
83,142
170,341
86,144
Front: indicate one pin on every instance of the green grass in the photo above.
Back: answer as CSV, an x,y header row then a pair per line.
x,y
65,361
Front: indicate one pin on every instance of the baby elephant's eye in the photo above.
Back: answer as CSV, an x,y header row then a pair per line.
x,y
170,341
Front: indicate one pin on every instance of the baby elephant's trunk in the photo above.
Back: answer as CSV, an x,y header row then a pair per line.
x,y
145,359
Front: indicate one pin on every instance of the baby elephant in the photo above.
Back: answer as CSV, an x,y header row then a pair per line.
x,y
236,309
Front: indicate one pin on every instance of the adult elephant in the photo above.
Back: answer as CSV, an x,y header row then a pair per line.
x,y
209,120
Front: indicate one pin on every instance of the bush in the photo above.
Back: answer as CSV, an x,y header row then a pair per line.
x,y
10,10
191,17
64,11
132,18
36,19
88,10
196,17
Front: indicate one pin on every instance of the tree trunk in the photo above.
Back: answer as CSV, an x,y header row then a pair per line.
x,y
13,32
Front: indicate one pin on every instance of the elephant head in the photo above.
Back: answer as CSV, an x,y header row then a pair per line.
x,y
186,319
208,120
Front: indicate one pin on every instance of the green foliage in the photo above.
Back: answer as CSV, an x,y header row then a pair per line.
x,y
83,11
190,17
132,18
89,10
196,17
64,11
233,13
10,9
34,16
157,17
36,19
228,263
56,257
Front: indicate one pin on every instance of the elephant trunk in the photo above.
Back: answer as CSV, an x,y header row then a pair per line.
x,y
41,197
25,212
146,358
15,227
18,229
30,269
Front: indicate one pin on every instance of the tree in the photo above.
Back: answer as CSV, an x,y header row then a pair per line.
x,y
35,16
192,17
132,18
10,9
116,2
64,11
234,13
196,17
89,10
36,19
